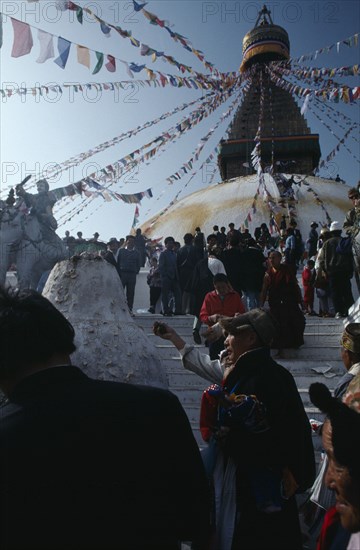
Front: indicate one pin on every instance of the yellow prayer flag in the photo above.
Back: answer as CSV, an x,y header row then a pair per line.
x,y
83,55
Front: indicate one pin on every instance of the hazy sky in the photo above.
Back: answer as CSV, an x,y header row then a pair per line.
x,y
38,131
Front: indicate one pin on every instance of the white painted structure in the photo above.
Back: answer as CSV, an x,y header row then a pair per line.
x,y
110,345
231,201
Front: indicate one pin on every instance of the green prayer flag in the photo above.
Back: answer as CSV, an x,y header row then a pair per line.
x,y
99,64
79,14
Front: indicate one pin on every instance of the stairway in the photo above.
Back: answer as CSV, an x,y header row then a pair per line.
x,y
317,361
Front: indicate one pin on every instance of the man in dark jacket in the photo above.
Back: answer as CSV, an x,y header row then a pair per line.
x,y
187,258
231,258
112,253
87,464
129,266
312,241
253,270
338,268
169,278
255,456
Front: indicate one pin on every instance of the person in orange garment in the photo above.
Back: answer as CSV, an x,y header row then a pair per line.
x,y
219,303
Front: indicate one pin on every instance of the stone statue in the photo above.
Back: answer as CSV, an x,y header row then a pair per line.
x,y
41,205
27,235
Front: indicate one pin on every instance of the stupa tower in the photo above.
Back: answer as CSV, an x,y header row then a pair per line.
x,y
286,142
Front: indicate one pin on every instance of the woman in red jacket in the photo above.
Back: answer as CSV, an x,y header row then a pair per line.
x,y
219,303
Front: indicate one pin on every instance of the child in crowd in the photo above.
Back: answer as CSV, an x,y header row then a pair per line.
x,y
308,280
154,282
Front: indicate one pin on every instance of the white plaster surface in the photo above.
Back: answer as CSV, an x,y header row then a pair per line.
x,y
110,345
231,201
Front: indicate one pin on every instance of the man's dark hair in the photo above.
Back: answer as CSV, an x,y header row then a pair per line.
x,y
188,238
220,278
32,330
169,239
211,237
234,240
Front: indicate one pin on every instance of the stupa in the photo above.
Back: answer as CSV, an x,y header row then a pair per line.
x,y
285,137
270,124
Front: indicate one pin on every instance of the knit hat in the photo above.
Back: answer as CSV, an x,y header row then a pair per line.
x,y
335,226
258,319
345,424
350,339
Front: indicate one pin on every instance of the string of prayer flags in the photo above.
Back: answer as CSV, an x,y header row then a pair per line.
x,y
335,117
350,42
114,172
190,163
344,93
315,72
178,38
23,43
106,28
319,202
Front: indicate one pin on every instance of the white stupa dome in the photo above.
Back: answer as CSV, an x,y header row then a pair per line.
x,y
233,201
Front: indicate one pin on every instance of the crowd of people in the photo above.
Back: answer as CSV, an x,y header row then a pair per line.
x,y
283,274
88,464
261,269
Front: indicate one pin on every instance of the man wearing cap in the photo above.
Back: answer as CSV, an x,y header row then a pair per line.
x,y
339,271
312,241
112,253
282,451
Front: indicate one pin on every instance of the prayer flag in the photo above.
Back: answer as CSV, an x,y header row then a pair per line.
x,y
46,46
137,6
136,68
105,29
100,61
83,55
111,64
79,14
136,216
23,41
64,50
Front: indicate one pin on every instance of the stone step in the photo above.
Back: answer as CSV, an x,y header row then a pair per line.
x,y
315,353
316,323
183,379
